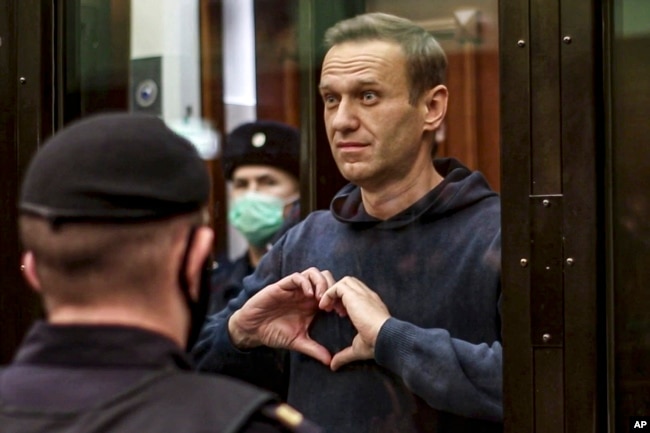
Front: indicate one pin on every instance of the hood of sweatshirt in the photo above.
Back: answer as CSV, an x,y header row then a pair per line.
x,y
459,188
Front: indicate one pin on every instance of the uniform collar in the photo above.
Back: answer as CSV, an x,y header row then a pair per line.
x,y
107,346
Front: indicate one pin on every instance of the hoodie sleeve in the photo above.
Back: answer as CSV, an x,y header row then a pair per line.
x,y
214,349
449,374
215,353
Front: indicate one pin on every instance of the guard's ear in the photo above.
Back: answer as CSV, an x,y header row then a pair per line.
x,y
198,252
435,105
28,267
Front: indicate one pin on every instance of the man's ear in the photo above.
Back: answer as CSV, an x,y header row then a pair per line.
x,y
436,107
28,267
199,251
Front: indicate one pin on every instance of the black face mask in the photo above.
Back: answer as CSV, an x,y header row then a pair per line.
x,y
198,308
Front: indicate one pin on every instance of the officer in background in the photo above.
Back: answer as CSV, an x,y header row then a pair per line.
x,y
113,225
261,161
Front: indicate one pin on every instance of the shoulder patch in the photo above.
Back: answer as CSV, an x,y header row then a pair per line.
x,y
290,418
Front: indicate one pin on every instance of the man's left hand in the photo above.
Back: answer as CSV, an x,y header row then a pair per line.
x,y
365,309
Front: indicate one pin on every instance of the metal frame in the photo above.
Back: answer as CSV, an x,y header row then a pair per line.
x,y
26,29
610,382
550,187
551,215
9,275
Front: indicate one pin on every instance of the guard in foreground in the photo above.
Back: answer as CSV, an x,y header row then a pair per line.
x,y
113,226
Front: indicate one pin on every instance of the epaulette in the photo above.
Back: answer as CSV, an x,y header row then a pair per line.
x,y
290,418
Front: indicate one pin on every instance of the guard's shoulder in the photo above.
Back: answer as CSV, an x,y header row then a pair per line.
x,y
288,418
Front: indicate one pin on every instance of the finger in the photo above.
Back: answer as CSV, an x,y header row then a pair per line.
x,y
335,304
343,357
340,309
331,297
296,281
311,348
354,283
321,281
291,282
329,282
306,285
312,277
329,277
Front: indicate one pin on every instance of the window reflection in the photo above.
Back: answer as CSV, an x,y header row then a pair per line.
x,y
206,66
468,32
631,207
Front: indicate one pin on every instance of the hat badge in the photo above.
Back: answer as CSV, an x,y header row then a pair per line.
x,y
258,139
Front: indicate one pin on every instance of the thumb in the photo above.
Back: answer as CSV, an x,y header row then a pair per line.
x,y
343,357
311,348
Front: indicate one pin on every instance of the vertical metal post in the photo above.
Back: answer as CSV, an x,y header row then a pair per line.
x,y
549,163
25,120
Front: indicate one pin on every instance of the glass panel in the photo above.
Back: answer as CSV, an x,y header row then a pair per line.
x,y
630,66
206,66
468,32
94,71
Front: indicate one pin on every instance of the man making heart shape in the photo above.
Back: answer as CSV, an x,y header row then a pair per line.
x,y
387,304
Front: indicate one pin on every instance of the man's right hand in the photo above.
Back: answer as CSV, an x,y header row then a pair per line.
x,y
279,315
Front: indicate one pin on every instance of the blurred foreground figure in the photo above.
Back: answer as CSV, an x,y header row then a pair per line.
x,y
113,225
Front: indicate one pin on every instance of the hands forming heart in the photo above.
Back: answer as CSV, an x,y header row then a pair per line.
x,y
279,316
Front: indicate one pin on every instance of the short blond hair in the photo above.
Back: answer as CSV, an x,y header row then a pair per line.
x,y
426,62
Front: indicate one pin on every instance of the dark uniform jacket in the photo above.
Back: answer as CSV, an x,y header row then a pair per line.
x,y
227,282
121,379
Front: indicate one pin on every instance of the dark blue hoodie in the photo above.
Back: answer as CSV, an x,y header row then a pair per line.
x,y
436,266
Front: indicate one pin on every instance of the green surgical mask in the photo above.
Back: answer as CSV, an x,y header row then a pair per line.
x,y
257,216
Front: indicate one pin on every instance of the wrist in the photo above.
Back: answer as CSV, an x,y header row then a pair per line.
x,y
238,337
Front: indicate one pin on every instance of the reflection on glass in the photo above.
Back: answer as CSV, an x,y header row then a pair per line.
x,y
631,208
468,32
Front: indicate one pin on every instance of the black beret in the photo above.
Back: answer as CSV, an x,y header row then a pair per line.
x,y
115,167
264,142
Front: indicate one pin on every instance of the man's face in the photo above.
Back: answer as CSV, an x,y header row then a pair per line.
x,y
375,134
264,179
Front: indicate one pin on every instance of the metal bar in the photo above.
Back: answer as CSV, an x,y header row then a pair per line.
x,y
579,39
514,67
549,391
547,294
10,280
609,11
25,119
